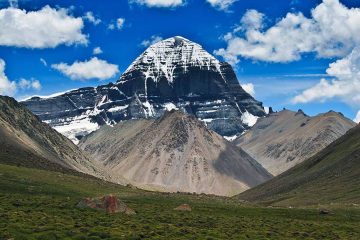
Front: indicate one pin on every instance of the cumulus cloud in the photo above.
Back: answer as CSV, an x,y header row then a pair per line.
x,y
97,50
45,28
91,18
6,86
29,84
92,69
344,85
159,3
221,4
332,31
249,88
153,39
252,19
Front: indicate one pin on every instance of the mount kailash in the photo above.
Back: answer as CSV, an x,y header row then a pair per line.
x,y
175,73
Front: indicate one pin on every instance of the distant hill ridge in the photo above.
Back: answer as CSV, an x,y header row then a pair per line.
x,y
284,139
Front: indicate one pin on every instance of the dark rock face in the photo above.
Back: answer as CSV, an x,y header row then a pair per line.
x,y
174,73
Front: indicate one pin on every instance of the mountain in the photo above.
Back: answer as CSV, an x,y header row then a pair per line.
x,y
175,73
284,139
26,141
330,177
173,153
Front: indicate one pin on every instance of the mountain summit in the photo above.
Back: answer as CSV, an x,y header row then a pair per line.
x,y
170,58
175,73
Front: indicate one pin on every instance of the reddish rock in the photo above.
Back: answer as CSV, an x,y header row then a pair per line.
x,y
111,204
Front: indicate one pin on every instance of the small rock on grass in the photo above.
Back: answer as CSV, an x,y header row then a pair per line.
x,y
183,207
324,212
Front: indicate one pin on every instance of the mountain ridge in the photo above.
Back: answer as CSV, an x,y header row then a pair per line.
x,y
27,141
173,73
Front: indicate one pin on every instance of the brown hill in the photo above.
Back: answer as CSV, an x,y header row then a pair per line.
x,y
285,139
173,153
26,141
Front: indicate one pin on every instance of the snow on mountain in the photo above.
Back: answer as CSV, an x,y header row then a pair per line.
x,y
162,58
175,73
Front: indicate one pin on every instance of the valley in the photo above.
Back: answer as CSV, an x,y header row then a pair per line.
x,y
39,204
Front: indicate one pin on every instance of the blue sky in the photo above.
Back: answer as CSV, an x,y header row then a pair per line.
x,y
277,77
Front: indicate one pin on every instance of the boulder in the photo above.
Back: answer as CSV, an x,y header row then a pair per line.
x,y
183,207
109,203
324,212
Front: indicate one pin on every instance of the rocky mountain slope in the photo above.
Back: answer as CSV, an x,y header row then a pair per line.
x,y
330,177
26,141
175,73
173,153
284,139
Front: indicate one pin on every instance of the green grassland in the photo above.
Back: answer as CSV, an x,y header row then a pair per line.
x,y
39,204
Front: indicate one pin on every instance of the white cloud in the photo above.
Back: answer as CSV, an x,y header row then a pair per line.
x,y
159,3
29,84
92,69
97,50
344,85
120,23
249,88
221,4
153,39
91,18
43,61
6,87
9,88
252,19
332,31
45,28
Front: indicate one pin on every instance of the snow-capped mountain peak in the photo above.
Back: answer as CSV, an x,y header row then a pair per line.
x,y
162,59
